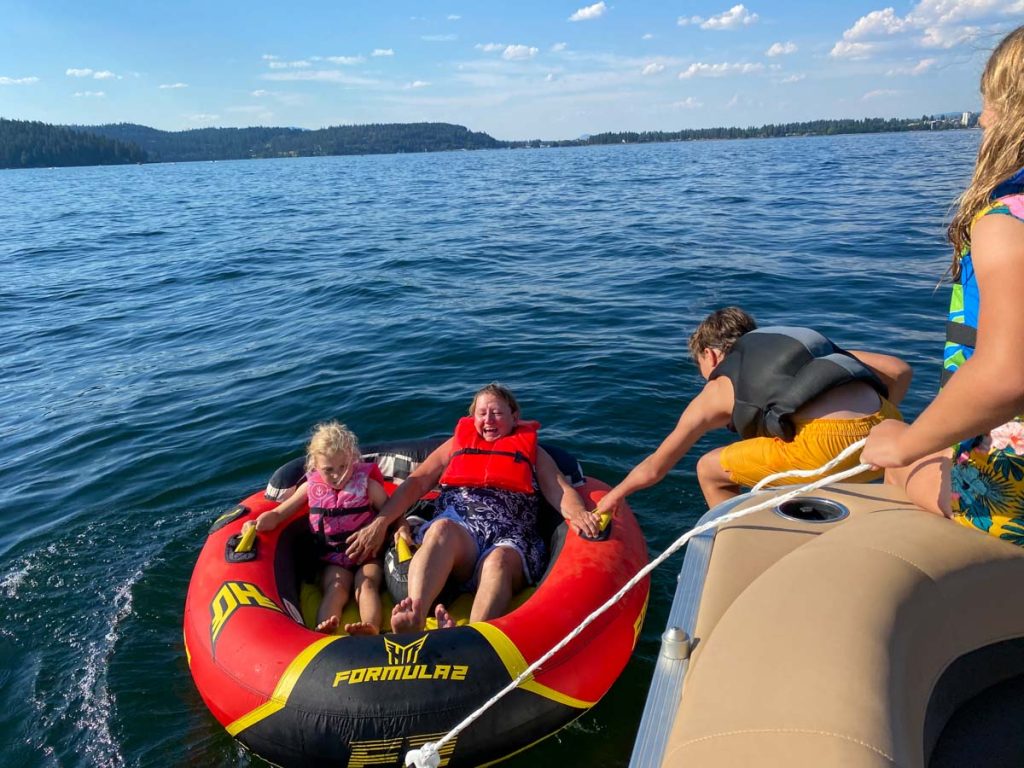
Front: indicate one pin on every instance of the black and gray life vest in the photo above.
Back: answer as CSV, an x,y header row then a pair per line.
x,y
776,371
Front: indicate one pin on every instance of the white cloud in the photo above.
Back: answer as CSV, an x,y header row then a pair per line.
x,y
202,117
559,47
881,93
685,21
946,12
929,24
90,94
781,49
439,38
78,72
319,76
453,17
18,80
383,52
345,60
735,17
648,36
847,50
519,52
688,103
550,77
417,84
269,57
947,37
918,69
260,93
719,70
169,86
302,64
875,24
793,78
594,11
490,47
653,68
105,75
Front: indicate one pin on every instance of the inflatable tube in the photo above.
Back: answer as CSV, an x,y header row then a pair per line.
x,y
300,698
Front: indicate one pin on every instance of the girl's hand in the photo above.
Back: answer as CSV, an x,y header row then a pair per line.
x,y
266,522
404,531
884,448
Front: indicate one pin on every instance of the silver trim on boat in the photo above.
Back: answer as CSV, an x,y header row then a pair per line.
x,y
670,670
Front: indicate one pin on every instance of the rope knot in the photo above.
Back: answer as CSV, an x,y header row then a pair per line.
x,y
426,756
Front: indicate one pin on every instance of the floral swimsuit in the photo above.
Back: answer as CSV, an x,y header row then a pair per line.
x,y
495,518
988,470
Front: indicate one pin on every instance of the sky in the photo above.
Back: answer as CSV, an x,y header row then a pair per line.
x,y
533,69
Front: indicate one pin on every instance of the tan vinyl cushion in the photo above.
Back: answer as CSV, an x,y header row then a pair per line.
x,y
829,656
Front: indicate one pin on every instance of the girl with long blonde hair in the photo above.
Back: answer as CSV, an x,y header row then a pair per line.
x,y
979,410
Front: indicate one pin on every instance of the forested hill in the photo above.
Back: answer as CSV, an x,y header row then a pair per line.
x,y
25,144
240,143
30,144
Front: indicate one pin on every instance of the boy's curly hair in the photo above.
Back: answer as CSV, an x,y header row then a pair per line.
x,y
720,330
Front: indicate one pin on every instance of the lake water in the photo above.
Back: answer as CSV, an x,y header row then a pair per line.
x,y
170,333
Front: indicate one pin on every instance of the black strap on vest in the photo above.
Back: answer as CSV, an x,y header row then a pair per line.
x,y
517,456
321,534
959,333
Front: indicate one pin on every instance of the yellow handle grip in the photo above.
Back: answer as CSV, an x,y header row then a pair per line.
x,y
403,549
605,518
247,540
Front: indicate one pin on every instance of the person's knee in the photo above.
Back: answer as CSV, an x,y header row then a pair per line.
x,y
334,578
709,469
503,565
442,532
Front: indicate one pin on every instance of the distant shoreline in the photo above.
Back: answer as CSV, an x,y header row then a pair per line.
x,y
28,144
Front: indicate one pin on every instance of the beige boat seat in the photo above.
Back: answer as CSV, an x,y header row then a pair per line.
x,y
846,645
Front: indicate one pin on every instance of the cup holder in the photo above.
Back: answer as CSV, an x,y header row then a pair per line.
x,y
812,509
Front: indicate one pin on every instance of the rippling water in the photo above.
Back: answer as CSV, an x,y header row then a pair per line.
x,y
171,333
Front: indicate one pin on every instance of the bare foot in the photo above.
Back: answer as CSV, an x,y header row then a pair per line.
x,y
444,619
405,616
361,628
329,625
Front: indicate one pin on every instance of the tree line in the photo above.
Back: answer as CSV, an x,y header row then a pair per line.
x,y
25,144
770,131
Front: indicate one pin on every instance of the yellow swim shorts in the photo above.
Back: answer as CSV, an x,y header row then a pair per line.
x,y
817,442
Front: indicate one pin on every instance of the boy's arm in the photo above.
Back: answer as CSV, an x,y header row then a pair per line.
x,y
894,372
711,409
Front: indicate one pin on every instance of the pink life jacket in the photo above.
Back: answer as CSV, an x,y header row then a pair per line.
x,y
334,514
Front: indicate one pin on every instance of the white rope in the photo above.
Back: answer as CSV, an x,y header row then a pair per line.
x,y
428,756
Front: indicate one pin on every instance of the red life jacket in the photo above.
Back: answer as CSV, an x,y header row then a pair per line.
x,y
509,462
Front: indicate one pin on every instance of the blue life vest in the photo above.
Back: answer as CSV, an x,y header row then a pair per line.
x,y
962,324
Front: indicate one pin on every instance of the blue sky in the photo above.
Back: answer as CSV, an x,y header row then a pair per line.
x,y
522,70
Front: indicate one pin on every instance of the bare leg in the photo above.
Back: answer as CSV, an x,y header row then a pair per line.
x,y
501,576
336,584
447,548
926,482
368,580
715,482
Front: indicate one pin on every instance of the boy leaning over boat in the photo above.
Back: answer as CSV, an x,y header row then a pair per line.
x,y
795,399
